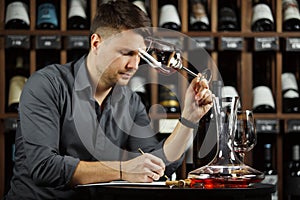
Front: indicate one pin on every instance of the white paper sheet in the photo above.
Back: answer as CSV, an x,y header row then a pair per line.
x,y
124,183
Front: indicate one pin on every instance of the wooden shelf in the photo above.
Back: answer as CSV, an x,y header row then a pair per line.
x,y
44,32
243,66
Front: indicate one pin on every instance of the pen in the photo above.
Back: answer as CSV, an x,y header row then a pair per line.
x,y
141,151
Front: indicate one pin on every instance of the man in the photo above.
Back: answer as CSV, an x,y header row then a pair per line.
x,y
79,122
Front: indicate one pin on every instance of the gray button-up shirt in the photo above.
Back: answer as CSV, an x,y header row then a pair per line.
x,y
61,123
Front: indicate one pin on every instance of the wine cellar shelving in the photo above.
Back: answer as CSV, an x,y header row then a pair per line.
x,y
242,47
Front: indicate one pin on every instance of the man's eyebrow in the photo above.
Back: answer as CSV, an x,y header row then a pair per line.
x,y
128,49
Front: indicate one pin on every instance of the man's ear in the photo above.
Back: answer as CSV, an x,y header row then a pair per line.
x,y
96,39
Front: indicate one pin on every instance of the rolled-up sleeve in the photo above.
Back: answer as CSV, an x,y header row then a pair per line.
x,y
40,128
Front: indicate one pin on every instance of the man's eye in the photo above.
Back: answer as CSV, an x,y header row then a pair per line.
x,y
128,53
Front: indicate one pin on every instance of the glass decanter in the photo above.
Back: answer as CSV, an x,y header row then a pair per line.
x,y
225,170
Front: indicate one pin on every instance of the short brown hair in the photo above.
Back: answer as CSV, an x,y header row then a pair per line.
x,y
120,15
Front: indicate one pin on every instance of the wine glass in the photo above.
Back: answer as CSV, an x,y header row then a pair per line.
x,y
245,136
166,58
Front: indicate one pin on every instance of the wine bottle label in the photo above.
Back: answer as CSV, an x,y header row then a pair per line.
x,y
262,95
198,14
17,10
168,13
261,11
141,5
289,84
15,88
290,10
169,103
77,8
291,94
47,14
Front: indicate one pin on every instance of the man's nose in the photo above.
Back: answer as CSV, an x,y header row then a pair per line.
x,y
134,62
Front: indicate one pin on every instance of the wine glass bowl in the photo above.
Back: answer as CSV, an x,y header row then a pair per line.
x,y
245,137
166,58
206,74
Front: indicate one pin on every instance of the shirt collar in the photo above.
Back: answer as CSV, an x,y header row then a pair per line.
x,y
81,77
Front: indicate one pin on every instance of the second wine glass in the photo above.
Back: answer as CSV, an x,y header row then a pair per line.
x,y
245,137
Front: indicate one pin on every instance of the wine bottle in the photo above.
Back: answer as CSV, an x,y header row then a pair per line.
x,y
169,17
227,16
168,98
141,5
16,84
263,100
230,92
17,16
262,17
46,15
77,18
294,166
289,85
291,15
290,93
198,15
271,175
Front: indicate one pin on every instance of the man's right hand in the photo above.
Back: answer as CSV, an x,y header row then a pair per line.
x,y
144,168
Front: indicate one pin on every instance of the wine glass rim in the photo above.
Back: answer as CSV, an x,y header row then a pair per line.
x,y
164,45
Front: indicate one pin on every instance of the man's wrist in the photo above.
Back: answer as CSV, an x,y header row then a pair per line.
x,y
188,123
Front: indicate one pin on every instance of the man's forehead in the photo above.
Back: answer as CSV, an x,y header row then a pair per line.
x,y
129,39
127,35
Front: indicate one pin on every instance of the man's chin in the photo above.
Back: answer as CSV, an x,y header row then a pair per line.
x,y
123,81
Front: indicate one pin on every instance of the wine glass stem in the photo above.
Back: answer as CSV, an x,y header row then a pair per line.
x,y
189,71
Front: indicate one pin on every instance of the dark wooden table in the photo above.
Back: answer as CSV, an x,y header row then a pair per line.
x,y
255,192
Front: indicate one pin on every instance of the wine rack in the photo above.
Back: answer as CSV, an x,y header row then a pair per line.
x,y
232,51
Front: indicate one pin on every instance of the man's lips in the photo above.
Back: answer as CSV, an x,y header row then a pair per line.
x,y
126,75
